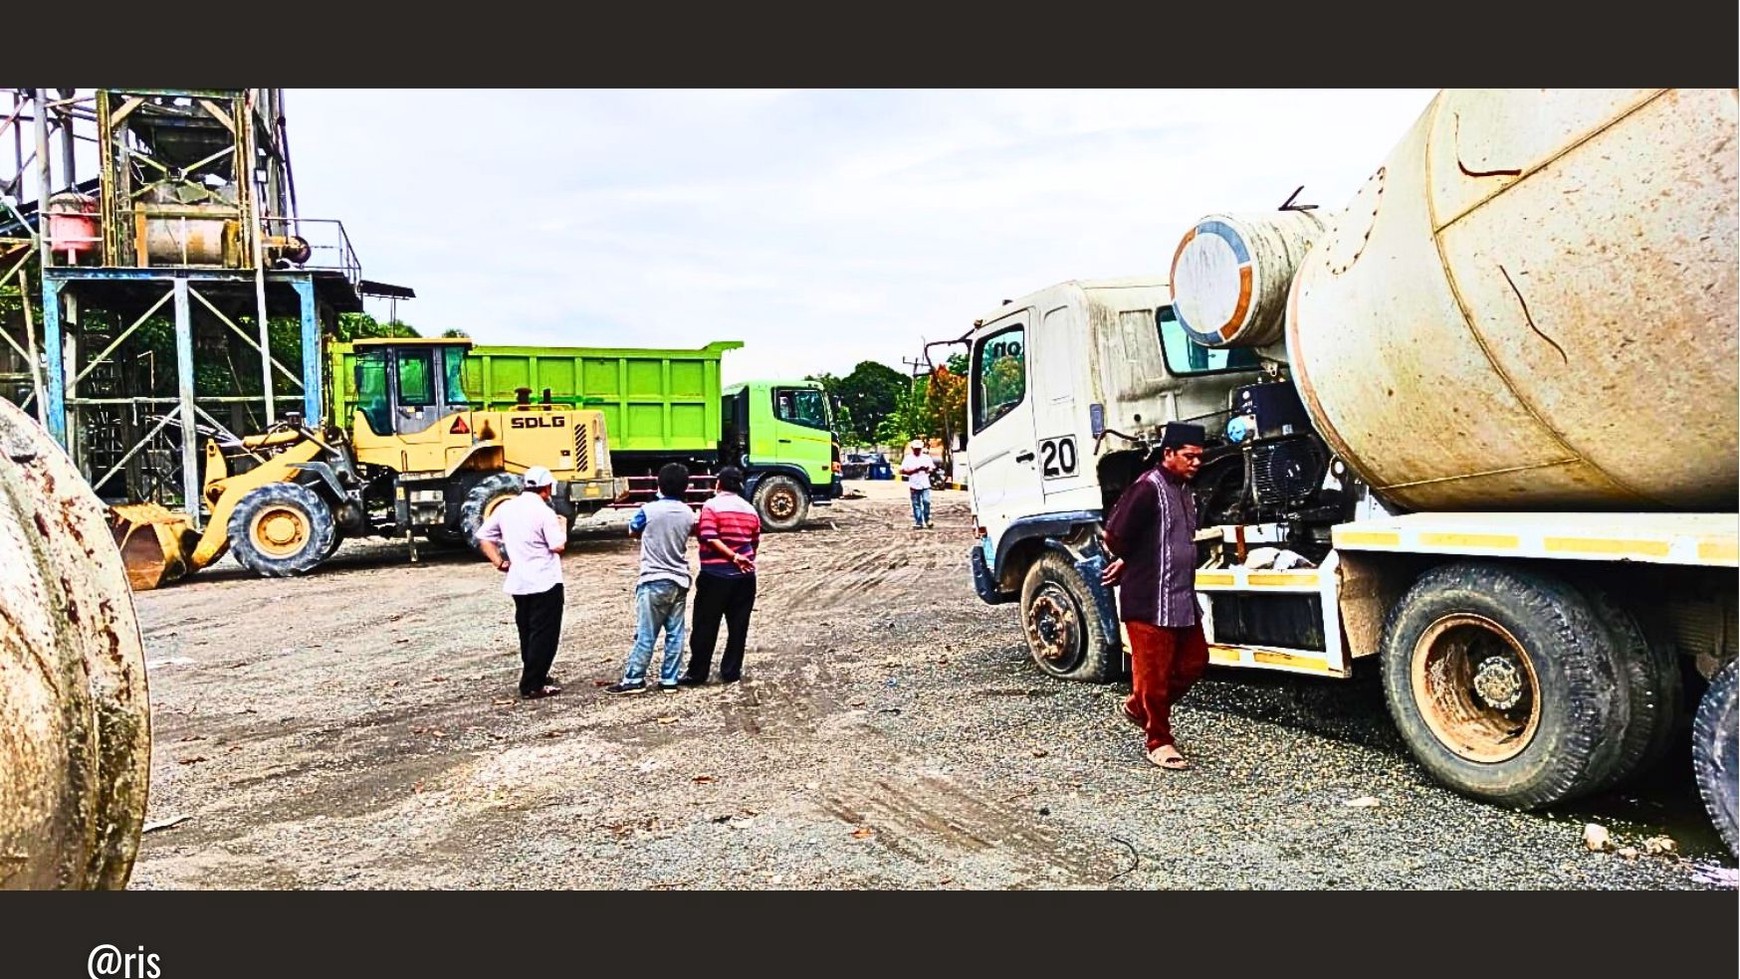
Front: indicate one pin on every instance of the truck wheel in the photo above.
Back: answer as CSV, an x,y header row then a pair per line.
x,y
1654,692
1064,635
492,492
281,529
1714,736
1504,684
781,503
332,548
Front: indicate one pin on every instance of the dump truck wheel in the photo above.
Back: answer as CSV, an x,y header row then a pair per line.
x,y
482,501
1064,635
781,503
1654,691
1504,683
1714,747
282,529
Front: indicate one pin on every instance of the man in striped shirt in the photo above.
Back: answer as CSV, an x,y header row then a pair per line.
x,y
729,531
1152,533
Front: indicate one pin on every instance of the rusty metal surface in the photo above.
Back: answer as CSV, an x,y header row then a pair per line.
x,y
75,745
1230,275
156,545
1533,302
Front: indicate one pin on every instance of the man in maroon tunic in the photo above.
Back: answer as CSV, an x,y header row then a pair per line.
x,y
1152,533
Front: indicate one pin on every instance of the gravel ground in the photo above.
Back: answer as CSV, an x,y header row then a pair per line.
x,y
358,729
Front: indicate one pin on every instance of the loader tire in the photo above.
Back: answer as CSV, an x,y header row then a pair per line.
x,y
1714,748
1505,684
482,501
781,503
281,530
1064,633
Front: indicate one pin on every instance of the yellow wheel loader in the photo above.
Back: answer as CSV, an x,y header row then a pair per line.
x,y
417,461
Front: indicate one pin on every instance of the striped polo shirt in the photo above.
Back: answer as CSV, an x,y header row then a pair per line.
x,y
727,517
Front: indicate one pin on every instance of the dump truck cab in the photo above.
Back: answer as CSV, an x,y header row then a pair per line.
x,y
782,435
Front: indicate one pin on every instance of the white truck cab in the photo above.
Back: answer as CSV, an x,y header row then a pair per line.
x,y
1060,381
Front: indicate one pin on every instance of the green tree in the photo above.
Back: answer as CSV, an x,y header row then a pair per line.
x,y
871,392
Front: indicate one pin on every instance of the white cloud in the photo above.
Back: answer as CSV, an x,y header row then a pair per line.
x,y
820,228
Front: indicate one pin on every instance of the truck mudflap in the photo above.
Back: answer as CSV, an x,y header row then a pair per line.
x,y
984,583
1090,568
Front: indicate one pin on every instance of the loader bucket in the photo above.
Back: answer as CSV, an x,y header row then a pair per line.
x,y
156,545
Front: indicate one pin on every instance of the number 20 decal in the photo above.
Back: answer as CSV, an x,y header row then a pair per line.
x,y
1057,457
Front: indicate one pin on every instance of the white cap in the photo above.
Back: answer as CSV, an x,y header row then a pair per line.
x,y
538,476
917,444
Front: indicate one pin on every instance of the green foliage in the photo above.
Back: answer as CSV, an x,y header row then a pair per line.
x,y
868,395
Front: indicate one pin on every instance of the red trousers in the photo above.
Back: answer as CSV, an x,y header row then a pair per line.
x,y
1164,664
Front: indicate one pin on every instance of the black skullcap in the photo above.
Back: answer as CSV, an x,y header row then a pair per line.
x,y
1179,434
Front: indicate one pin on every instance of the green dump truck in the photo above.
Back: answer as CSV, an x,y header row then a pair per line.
x,y
665,406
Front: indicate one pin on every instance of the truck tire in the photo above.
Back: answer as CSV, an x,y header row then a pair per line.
x,y
482,500
281,530
1504,684
1064,633
1714,736
1654,691
781,503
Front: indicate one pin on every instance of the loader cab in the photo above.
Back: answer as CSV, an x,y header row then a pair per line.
x,y
404,386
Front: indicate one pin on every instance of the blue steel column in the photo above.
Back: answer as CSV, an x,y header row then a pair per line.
x,y
313,403
53,392
184,375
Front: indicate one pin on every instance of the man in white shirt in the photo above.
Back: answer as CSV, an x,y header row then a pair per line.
x,y
524,538
917,467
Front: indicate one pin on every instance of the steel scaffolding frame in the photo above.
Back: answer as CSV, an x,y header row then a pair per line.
x,y
193,209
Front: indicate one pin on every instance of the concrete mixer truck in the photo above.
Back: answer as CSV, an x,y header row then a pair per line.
x,y
1480,426
75,757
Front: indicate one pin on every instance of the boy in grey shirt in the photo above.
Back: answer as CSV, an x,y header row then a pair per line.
x,y
664,527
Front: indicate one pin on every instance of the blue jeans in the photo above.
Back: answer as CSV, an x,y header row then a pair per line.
x,y
920,507
658,605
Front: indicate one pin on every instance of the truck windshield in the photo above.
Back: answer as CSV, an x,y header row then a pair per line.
x,y
1184,357
801,406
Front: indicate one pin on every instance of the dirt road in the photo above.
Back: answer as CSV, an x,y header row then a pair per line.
x,y
358,729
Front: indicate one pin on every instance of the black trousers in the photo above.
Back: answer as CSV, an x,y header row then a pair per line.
x,y
539,618
716,597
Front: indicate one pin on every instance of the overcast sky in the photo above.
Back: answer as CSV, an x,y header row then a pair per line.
x,y
820,228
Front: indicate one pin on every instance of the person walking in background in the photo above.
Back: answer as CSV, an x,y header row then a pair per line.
x,y
661,594
917,467
524,539
1152,533
730,532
